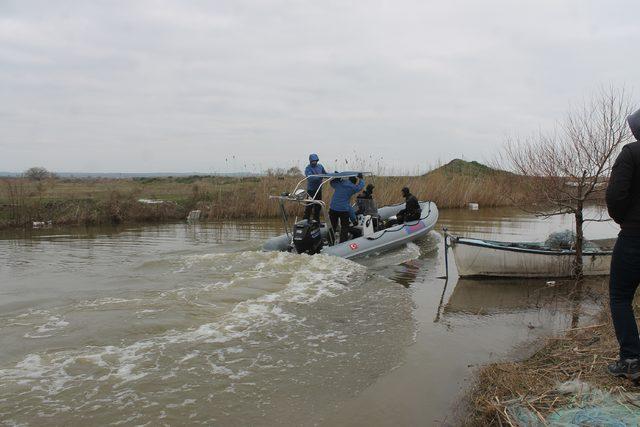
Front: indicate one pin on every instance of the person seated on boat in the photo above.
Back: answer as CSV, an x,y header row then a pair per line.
x,y
313,186
340,207
367,206
412,210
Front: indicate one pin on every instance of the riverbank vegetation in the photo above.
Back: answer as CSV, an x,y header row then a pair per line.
x,y
563,375
101,201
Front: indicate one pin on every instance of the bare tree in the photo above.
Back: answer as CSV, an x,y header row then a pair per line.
x,y
294,171
277,172
37,173
565,169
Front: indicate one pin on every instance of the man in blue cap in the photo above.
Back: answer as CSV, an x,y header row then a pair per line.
x,y
313,186
340,208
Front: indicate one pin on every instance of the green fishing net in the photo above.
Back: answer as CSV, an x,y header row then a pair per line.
x,y
595,408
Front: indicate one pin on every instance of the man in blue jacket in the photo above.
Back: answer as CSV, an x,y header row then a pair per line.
x,y
340,207
313,184
623,203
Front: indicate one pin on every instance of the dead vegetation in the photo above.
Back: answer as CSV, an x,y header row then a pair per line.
x,y
582,353
102,201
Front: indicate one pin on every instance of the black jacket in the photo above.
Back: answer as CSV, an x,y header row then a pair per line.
x,y
412,207
623,191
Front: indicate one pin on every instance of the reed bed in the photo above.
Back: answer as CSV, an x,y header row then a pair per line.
x,y
99,201
581,353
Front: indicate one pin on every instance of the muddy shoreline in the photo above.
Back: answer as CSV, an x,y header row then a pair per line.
x,y
555,379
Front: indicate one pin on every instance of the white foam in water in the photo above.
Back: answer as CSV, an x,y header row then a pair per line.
x,y
189,261
221,370
333,336
33,371
184,403
54,324
309,280
107,301
34,319
189,356
186,292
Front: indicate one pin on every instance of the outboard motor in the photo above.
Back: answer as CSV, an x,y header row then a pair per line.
x,y
307,237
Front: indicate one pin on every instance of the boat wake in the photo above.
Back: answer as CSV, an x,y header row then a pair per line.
x,y
234,329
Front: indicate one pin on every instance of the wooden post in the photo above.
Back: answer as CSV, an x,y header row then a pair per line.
x,y
446,253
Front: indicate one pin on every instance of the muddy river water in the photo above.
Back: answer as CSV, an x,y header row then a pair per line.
x,y
191,324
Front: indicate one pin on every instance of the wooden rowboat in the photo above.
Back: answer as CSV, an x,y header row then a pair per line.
x,y
488,258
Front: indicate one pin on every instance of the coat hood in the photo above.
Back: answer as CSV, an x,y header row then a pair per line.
x,y
634,124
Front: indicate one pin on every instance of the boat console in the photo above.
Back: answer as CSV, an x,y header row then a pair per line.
x,y
364,227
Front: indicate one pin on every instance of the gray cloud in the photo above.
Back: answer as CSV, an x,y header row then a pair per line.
x,y
182,86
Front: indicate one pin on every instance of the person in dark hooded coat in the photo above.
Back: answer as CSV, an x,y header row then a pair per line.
x,y
623,204
313,186
412,210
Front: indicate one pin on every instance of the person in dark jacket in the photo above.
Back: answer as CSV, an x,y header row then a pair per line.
x,y
340,207
313,184
366,205
412,210
623,204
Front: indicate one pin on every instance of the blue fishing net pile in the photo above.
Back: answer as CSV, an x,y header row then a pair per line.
x,y
566,240
596,408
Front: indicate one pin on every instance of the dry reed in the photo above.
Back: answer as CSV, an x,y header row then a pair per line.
x,y
96,201
582,353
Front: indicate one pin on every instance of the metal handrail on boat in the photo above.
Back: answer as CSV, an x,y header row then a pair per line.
x,y
305,202
329,178
296,196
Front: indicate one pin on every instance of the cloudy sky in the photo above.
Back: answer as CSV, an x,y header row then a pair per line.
x,y
142,86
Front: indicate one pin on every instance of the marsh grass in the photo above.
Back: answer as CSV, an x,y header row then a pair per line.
x,y
100,201
580,353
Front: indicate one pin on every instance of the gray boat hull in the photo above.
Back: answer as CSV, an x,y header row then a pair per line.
x,y
379,241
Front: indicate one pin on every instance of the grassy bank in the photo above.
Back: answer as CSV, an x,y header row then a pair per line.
x,y
102,201
563,374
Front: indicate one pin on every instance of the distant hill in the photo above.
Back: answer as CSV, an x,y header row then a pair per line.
x,y
462,167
